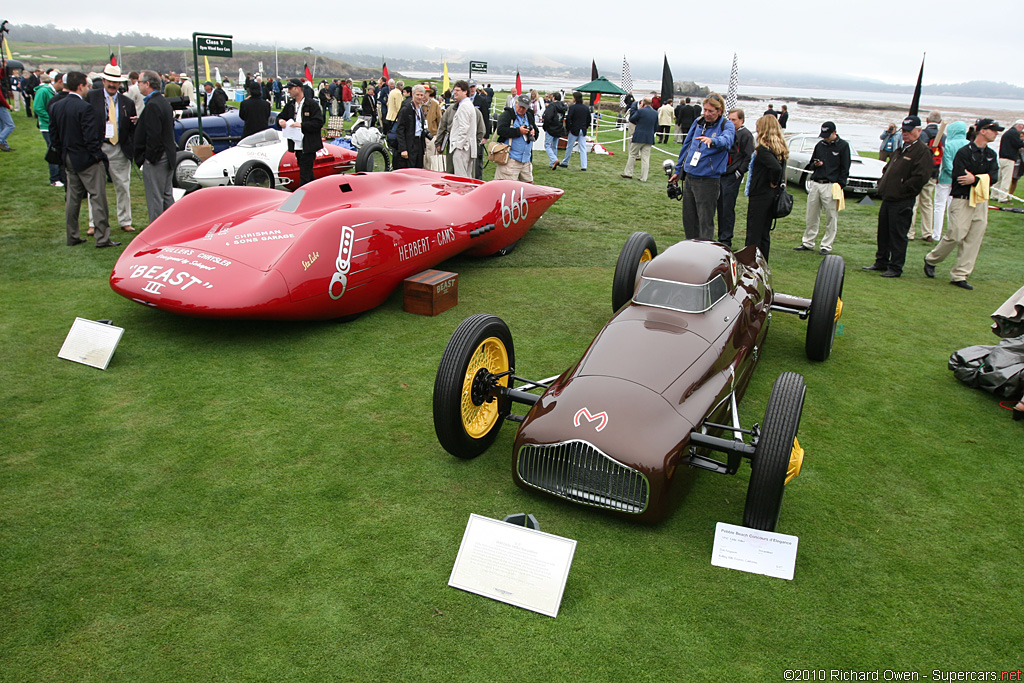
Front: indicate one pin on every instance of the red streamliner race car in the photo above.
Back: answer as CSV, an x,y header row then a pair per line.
x,y
335,247
655,395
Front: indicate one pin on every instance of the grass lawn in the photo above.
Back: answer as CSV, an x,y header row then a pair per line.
x,y
268,501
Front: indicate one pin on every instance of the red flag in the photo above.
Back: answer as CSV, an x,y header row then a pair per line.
x,y
594,97
308,73
519,84
385,73
113,59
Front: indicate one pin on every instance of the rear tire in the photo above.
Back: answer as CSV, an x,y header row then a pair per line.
x,y
254,174
777,453
826,307
185,165
639,249
373,157
191,138
465,422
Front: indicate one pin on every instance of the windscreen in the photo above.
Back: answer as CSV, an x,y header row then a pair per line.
x,y
678,296
264,137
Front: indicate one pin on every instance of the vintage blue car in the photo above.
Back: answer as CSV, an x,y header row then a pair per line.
x,y
221,131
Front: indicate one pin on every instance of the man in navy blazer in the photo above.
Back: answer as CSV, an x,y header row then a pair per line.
x,y
115,129
155,152
645,118
73,132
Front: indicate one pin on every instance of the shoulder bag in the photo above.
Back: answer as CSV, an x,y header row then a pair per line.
x,y
783,205
498,152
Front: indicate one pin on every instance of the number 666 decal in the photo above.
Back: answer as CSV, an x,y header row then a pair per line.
x,y
515,211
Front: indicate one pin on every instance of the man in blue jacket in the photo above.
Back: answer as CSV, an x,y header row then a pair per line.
x,y
702,161
645,118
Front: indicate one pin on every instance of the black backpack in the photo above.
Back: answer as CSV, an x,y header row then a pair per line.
x,y
552,118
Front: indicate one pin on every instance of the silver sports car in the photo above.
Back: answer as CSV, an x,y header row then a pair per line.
x,y
864,172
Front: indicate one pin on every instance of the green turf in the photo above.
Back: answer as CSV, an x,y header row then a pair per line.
x,y
268,502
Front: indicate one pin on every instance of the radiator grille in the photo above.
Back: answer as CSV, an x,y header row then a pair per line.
x,y
577,471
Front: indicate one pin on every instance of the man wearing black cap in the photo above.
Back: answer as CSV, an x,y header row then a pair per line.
x,y
303,112
517,128
968,204
901,182
831,162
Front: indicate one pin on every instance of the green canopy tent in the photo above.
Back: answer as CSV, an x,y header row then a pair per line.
x,y
601,85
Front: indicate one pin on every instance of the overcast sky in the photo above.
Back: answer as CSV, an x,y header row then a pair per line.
x,y
875,39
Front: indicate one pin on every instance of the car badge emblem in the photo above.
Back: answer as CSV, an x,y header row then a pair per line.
x,y
584,412
343,263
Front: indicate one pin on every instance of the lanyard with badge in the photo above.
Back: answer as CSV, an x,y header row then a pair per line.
x,y
703,133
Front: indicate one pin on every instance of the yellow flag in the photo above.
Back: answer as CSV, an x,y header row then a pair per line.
x,y
206,63
444,83
7,49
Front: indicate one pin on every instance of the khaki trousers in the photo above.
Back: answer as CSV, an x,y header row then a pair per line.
x,y
642,151
965,233
514,170
925,207
819,199
1005,176
121,174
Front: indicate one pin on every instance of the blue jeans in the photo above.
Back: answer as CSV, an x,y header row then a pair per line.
x,y
581,141
6,124
54,168
348,110
551,147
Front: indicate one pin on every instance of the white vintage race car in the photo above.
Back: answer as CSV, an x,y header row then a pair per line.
x,y
263,160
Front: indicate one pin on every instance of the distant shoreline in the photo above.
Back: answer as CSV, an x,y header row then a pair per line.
x,y
846,104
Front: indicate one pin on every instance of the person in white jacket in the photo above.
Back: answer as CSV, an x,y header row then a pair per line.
x,y
463,137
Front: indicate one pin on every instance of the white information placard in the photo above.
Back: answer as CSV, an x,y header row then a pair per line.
x,y
91,343
757,552
513,564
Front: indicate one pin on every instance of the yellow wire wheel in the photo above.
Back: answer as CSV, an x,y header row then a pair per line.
x,y
468,412
638,250
778,456
491,356
826,307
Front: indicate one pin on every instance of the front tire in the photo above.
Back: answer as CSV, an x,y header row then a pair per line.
x,y
372,157
826,307
639,249
466,417
254,174
778,456
185,165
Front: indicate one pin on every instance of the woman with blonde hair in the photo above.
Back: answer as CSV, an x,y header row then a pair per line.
x,y
537,105
767,173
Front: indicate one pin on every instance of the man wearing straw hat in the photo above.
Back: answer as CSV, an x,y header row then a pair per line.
x,y
115,129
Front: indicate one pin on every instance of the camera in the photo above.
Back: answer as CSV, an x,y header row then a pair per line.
x,y
674,192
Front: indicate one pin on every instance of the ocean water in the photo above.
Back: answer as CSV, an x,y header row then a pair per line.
x,y
860,127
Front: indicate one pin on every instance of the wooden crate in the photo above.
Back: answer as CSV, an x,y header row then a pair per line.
x,y
204,152
430,292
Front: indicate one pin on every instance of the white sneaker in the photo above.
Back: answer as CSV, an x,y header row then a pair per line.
x,y
57,184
